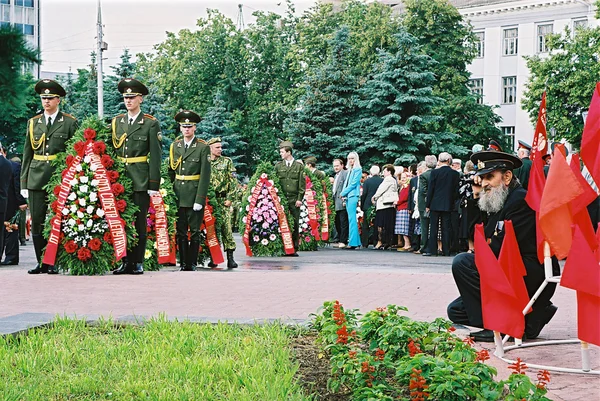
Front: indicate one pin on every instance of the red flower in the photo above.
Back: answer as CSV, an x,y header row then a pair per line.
x,y
482,356
89,134
57,190
106,160
79,148
64,173
84,254
70,246
117,189
413,349
108,237
379,354
352,354
121,205
99,148
342,334
113,176
543,377
338,314
95,244
54,206
518,368
70,159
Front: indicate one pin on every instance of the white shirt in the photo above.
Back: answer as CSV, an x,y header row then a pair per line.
x,y
186,143
53,116
289,162
130,117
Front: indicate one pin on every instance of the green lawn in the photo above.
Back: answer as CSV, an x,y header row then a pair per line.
x,y
160,360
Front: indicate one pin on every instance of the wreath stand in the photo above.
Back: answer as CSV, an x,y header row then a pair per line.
x,y
501,350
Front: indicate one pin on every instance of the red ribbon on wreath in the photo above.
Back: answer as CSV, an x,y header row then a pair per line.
x,y
311,206
211,235
286,235
164,248
325,214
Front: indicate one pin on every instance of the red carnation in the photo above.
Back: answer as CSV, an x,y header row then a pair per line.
x,y
54,206
57,190
108,237
113,176
79,148
64,173
95,244
117,189
70,159
121,205
70,246
89,134
106,160
99,148
84,254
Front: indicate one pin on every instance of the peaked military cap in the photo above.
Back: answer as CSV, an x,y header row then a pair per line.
x,y
524,145
492,160
48,88
310,160
213,140
493,145
559,146
286,144
130,87
187,118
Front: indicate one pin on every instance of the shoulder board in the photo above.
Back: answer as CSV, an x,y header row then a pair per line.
x,y
120,115
36,116
69,115
299,162
201,140
149,116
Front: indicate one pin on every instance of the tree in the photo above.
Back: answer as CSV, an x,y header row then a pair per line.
x,y
319,124
19,100
569,75
82,94
397,108
113,100
449,39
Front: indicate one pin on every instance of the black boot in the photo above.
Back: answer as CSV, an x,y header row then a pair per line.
x,y
212,264
52,270
193,255
38,245
138,253
184,251
230,262
125,267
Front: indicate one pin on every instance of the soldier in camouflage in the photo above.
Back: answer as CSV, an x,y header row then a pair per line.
x,y
225,185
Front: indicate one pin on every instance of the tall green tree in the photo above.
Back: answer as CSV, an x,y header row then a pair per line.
x,y
569,75
449,39
397,108
82,93
113,100
19,101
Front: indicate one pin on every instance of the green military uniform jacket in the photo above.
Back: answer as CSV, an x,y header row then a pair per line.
x,y
41,145
184,164
292,180
133,144
522,173
221,177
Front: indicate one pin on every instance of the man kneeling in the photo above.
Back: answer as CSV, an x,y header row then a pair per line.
x,y
499,197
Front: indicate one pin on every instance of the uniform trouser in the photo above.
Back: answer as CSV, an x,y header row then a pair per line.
x,y
136,253
22,226
341,225
38,207
424,231
295,212
224,226
466,309
187,218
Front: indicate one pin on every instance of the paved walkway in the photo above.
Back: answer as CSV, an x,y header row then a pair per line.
x,y
287,288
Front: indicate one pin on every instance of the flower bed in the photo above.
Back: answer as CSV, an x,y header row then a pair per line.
x,y
387,356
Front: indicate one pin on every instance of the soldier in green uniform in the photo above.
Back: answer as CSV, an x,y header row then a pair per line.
x,y
189,169
136,138
311,164
225,185
293,183
46,136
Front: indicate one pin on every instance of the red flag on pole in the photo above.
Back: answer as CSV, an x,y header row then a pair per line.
x,y
581,217
512,263
590,140
537,180
555,214
500,307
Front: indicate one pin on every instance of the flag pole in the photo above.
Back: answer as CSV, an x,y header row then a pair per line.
x,y
585,356
499,344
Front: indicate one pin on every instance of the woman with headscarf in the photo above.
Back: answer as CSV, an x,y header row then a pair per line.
x,y
351,193
385,199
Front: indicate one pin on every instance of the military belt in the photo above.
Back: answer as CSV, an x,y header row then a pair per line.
x,y
187,177
44,157
141,159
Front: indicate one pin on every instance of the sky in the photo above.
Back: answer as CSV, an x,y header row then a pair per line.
x,y
68,27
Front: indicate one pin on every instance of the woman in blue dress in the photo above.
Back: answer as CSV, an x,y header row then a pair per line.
x,y
351,193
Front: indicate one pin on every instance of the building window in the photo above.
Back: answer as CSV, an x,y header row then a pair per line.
x,y
28,29
24,3
509,90
509,133
542,32
4,1
4,12
480,44
511,41
476,86
580,24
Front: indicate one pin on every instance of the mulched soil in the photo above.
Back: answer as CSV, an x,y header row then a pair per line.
x,y
314,371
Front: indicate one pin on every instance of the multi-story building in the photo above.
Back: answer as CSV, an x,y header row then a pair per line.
x,y
25,15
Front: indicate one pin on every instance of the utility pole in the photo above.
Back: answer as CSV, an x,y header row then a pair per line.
x,y
100,48
240,18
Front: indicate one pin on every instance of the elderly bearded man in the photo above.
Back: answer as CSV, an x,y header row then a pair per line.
x,y
500,198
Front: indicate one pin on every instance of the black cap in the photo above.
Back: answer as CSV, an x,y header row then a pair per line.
x,y
492,160
524,145
495,146
130,87
48,88
187,118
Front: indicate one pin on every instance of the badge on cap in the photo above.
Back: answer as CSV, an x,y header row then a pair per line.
x,y
187,120
128,90
480,165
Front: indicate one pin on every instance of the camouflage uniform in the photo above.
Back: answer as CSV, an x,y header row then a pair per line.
x,y
224,184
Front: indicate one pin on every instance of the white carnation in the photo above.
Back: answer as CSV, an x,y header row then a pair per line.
x,y
94,183
73,208
74,182
71,222
81,227
78,167
65,211
82,201
90,209
72,196
80,214
83,188
93,167
93,197
89,223
83,179
100,213
87,159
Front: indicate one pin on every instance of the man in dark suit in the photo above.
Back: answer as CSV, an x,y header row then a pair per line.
x,y
5,180
15,202
522,173
368,190
430,163
441,197
501,198
341,217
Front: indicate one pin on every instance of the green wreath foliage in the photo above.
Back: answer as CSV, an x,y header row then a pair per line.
x,y
103,259
273,247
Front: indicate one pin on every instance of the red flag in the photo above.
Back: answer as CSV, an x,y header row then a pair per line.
x,y
537,179
500,307
590,140
512,264
581,217
556,217
588,318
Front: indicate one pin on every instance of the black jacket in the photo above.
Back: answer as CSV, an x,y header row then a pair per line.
x,y
412,188
6,177
369,188
15,199
442,190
